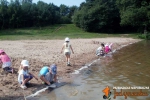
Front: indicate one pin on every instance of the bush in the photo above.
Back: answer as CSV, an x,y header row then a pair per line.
x,y
144,36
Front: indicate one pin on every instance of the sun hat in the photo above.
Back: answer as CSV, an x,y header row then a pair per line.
x,y
25,63
1,51
53,68
67,39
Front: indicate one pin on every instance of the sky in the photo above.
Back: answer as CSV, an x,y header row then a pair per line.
x,y
58,2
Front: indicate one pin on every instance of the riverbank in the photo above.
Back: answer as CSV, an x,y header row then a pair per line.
x,y
46,52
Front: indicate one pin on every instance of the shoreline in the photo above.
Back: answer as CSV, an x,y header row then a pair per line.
x,y
84,53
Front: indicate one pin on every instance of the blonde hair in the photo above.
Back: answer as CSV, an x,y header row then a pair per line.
x,y
20,68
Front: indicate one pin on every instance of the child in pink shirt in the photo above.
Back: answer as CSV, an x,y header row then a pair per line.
x,y
108,48
6,62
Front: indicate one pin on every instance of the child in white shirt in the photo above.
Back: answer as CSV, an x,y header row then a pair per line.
x,y
24,75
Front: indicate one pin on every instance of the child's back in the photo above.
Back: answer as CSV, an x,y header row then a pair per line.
x,y
6,61
107,49
5,58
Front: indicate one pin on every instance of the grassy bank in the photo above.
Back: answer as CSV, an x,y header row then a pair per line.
x,y
53,32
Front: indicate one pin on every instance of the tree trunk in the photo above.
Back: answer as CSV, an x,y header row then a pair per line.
x,y
145,32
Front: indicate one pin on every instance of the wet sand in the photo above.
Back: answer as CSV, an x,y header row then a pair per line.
x,y
46,52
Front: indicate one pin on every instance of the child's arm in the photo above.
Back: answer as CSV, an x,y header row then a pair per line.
x,y
55,78
43,79
62,49
33,76
71,48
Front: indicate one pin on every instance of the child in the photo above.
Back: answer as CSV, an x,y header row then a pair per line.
x,y
48,74
24,75
6,62
66,47
108,48
100,50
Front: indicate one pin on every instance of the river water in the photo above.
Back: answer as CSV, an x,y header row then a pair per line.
x,y
127,67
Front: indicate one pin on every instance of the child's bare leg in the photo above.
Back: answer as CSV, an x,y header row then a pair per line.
x,y
69,59
66,58
25,81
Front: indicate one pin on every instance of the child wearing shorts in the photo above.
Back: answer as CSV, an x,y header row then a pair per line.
x,y
67,50
24,75
48,74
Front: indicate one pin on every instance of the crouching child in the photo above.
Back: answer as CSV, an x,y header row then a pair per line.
x,y
48,74
6,62
24,75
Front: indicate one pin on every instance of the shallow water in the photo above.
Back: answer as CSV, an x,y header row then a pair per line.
x,y
129,66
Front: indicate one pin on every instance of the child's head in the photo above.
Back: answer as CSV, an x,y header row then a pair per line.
x,y
102,44
2,52
67,39
25,64
53,69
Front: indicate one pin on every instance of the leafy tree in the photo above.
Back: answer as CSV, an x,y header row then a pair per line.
x,y
64,12
135,13
27,18
15,14
26,1
72,9
55,15
24,13
3,13
98,16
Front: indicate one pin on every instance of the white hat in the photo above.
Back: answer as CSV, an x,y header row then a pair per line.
x,y
67,39
25,63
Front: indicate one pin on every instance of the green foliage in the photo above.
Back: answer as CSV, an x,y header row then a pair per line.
x,y
92,15
24,13
135,13
67,13
113,15
98,16
144,36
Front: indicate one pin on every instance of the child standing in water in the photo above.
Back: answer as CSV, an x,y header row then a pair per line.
x,y
66,47
24,75
6,62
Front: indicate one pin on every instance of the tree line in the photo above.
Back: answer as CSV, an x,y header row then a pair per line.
x,y
24,13
113,15
92,15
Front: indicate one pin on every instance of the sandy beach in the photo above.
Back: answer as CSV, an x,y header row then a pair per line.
x,y
46,52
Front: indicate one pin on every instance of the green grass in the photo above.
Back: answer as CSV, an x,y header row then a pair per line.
x,y
53,32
